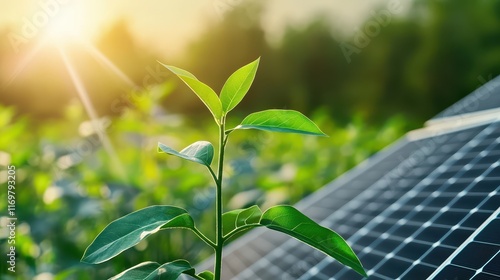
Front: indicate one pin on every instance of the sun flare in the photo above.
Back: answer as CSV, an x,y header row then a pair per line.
x,y
67,25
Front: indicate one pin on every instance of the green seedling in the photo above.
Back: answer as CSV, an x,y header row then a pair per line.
x,y
131,229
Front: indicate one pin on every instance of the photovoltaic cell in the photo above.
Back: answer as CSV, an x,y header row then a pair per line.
x,y
445,192
426,207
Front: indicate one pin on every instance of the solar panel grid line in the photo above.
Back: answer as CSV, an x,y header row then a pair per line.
x,y
426,151
486,171
348,176
354,241
310,257
478,270
374,184
493,216
395,238
248,272
464,218
425,254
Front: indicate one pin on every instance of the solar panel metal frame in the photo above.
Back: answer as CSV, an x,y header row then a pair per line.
x,y
485,98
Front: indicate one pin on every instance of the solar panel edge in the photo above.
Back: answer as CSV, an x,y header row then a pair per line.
x,y
472,99
457,121
352,173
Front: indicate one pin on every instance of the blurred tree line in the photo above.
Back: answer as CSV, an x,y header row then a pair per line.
x,y
416,65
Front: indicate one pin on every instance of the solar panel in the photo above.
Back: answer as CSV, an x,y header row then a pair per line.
x,y
479,257
428,206
486,97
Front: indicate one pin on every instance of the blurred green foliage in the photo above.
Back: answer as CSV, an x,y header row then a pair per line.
x,y
424,59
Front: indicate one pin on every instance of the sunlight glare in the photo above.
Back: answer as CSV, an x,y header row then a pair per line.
x,y
24,63
99,56
66,25
89,108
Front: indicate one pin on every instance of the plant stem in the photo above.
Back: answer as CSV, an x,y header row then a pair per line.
x,y
218,203
204,238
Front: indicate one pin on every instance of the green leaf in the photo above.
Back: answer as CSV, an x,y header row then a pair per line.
x,y
171,271
139,271
204,92
292,222
201,152
241,217
129,230
237,85
152,270
281,121
206,275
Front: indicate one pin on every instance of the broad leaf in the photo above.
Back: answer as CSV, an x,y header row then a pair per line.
x,y
184,221
171,271
237,85
139,271
204,92
281,121
206,275
292,222
129,230
241,217
201,152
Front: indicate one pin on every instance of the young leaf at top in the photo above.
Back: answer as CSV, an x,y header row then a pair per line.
x,y
201,152
289,121
129,230
292,222
171,271
241,217
237,85
139,271
204,92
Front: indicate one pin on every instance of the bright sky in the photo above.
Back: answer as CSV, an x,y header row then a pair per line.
x,y
164,24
